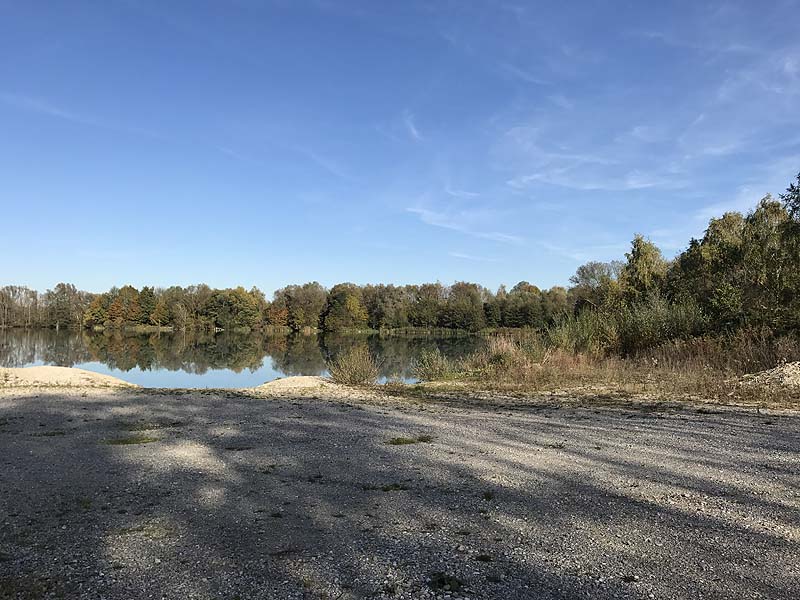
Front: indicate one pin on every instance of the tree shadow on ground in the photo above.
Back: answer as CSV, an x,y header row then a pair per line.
x,y
220,495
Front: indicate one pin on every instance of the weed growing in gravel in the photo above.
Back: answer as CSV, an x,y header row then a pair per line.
x,y
127,441
149,425
152,531
488,495
389,487
403,441
394,487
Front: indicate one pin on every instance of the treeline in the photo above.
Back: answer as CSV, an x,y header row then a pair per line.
x,y
345,306
745,271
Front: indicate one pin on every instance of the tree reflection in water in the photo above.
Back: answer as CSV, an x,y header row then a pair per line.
x,y
198,353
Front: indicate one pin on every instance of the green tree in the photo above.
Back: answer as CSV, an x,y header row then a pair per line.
x,y
463,308
233,309
147,304
426,304
344,308
645,270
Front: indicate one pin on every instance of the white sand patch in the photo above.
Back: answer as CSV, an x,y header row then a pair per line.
x,y
57,376
303,382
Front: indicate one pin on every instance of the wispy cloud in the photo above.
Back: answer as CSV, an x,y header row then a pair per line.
x,y
459,193
42,107
411,126
523,74
706,45
772,179
585,253
471,257
633,180
462,221
327,164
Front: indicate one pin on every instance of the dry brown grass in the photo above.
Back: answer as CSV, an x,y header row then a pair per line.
x,y
355,367
701,368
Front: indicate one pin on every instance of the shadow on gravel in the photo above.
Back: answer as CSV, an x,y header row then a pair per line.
x,y
237,497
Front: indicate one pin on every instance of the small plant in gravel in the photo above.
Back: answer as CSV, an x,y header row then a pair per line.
x,y
148,425
488,495
394,487
389,487
356,367
403,441
127,441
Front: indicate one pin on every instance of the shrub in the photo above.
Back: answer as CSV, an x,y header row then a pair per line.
x,y
589,331
502,356
432,365
655,321
355,367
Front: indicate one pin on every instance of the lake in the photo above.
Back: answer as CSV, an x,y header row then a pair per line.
x,y
224,360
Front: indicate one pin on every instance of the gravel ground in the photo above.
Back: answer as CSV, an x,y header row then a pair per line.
x,y
128,493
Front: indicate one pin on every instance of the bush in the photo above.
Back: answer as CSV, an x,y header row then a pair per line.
x,y
355,367
502,356
655,321
432,365
590,331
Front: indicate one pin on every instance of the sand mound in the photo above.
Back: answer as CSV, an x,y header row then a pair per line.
x,y
57,376
787,375
303,382
311,387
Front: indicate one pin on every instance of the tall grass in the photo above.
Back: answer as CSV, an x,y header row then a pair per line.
x,y
355,367
628,329
586,352
432,365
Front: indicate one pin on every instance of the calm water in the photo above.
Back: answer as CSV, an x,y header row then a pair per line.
x,y
206,360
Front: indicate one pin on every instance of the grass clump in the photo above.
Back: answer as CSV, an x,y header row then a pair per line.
x,y
355,367
432,365
389,487
403,441
127,441
149,425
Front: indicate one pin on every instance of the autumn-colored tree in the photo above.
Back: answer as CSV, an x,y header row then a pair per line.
x,y
160,313
97,314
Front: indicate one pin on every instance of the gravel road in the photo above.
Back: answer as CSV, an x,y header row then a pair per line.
x,y
122,494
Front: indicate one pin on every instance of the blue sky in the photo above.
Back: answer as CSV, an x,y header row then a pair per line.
x,y
265,143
